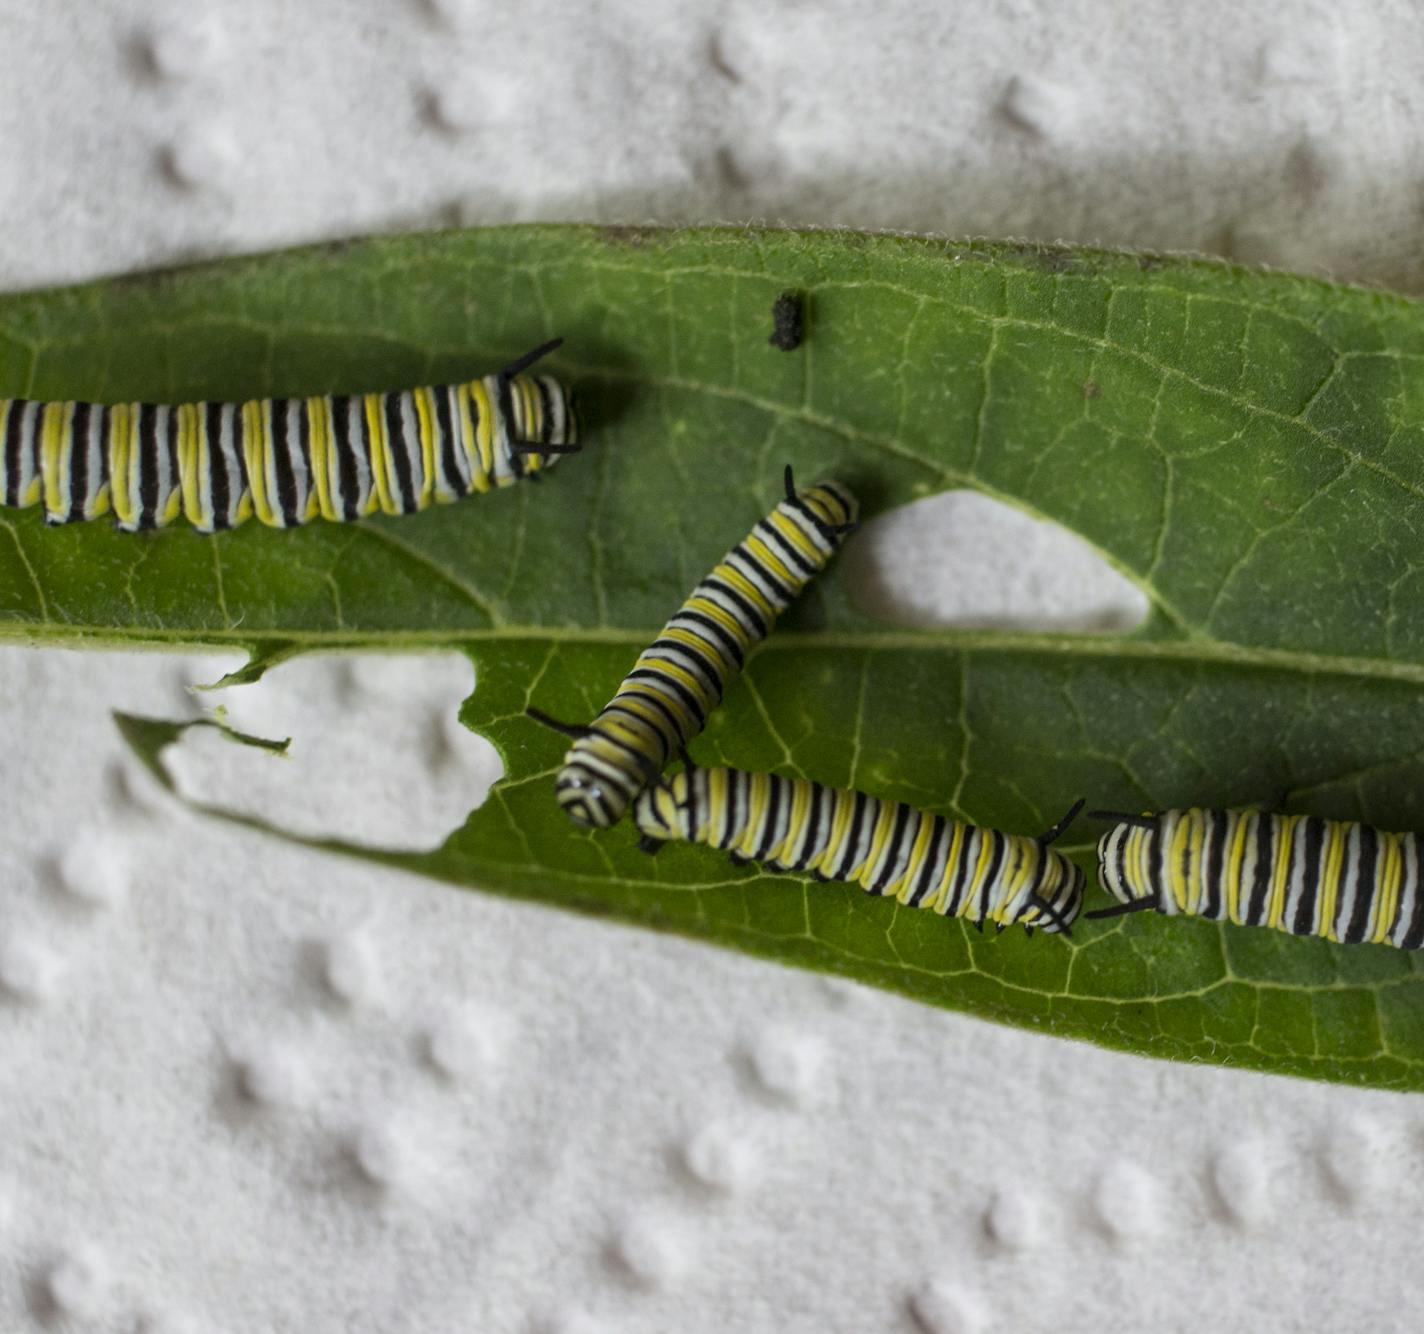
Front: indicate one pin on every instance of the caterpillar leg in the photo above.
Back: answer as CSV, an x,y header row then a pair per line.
x,y
1055,832
649,845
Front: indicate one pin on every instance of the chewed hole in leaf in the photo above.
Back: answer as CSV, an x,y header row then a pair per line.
x,y
964,559
378,754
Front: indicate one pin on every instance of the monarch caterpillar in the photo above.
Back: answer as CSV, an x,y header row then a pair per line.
x,y
886,847
1296,873
788,319
678,680
286,460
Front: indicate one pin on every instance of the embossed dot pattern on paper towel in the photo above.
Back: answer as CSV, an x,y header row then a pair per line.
x,y
268,1074
460,108
322,106
466,1045
77,1285
95,868
183,43
788,1066
350,967
940,1307
1240,1178
382,1154
1040,107
1126,1203
29,970
1352,1158
649,1249
720,1155
1014,1220
812,141
201,157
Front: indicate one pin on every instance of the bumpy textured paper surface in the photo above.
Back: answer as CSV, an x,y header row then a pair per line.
x,y
245,1088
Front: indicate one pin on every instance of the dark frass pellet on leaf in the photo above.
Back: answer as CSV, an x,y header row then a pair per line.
x,y
788,319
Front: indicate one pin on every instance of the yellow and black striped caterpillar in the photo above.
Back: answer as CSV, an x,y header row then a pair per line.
x,y
886,847
286,460
1296,873
679,679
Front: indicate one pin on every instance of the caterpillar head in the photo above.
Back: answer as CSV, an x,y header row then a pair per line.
x,y
1125,854
543,414
660,811
1112,867
832,503
595,783
535,424
587,795
529,419
1058,897
829,505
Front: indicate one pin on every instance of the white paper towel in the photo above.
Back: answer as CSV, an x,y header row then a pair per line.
x,y
246,1088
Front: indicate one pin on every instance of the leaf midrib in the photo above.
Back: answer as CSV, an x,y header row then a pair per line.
x,y
1194,649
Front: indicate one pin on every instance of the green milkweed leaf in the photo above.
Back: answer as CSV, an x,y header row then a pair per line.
x,y
1245,446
